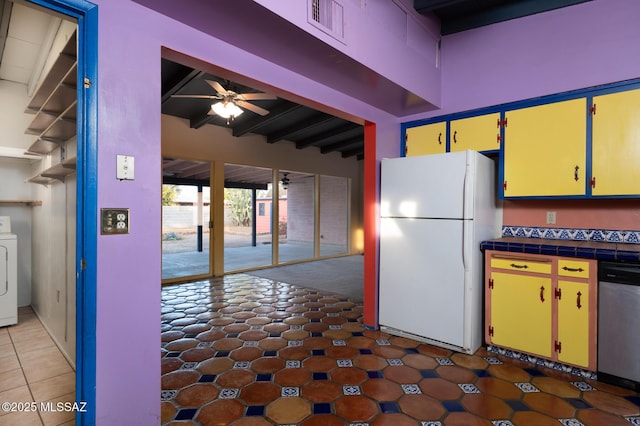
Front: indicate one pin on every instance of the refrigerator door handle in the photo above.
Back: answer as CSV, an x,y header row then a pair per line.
x,y
465,186
465,249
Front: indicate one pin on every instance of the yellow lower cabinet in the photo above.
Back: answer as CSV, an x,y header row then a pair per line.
x,y
572,344
521,312
543,305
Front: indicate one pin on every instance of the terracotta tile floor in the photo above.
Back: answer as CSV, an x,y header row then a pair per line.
x,y
32,368
242,350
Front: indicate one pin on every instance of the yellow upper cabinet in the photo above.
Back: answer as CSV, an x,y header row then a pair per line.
x,y
426,139
616,143
545,150
480,133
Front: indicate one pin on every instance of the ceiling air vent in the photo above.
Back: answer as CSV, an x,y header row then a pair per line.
x,y
327,15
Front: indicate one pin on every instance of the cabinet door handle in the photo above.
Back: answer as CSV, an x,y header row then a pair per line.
x,y
578,304
575,173
515,265
542,294
455,139
440,138
566,268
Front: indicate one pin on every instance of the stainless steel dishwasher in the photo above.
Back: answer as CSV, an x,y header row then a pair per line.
x,y
618,318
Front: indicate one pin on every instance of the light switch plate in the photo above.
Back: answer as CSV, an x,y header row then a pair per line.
x,y
125,167
5,224
114,221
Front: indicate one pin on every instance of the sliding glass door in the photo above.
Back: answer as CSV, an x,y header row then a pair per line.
x,y
185,219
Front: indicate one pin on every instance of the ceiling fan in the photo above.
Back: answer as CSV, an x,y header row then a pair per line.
x,y
285,181
230,102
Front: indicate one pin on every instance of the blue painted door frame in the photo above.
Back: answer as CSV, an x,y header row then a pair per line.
x,y
86,15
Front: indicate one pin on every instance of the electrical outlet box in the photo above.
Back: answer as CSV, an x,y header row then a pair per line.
x,y
5,224
114,221
551,218
125,167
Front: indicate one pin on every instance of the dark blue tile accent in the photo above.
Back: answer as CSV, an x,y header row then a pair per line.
x,y
315,319
274,334
389,407
232,335
532,248
320,376
316,334
428,374
482,373
173,354
605,254
586,252
365,352
277,320
498,245
631,256
270,353
357,333
375,374
412,351
255,410
633,399
314,309
486,245
189,335
264,377
534,372
578,403
352,320
317,352
207,378
186,414
221,354
516,247
566,251
322,408
453,406
517,405
547,249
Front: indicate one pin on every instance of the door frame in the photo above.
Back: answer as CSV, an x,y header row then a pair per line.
x,y
86,16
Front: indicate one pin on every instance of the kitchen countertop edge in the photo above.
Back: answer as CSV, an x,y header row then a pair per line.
x,y
623,252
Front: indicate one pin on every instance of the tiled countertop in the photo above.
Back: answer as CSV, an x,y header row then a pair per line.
x,y
569,248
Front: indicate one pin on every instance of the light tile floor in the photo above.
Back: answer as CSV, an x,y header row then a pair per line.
x,y
243,350
32,369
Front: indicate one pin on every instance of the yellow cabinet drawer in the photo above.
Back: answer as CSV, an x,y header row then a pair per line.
x,y
573,268
522,265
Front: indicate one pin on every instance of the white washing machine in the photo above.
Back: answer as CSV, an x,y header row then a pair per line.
x,y
8,279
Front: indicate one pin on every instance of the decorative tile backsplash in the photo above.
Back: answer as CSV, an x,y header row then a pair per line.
x,y
598,235
542,362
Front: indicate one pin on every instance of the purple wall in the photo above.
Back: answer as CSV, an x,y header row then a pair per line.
x,y
588,44
566,49
131,38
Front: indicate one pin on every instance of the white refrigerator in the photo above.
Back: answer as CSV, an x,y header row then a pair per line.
x,y
435,211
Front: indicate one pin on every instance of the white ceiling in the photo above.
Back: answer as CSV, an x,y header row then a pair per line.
x,y
27,40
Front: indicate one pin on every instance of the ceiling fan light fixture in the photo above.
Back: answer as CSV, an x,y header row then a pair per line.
x,y
226,109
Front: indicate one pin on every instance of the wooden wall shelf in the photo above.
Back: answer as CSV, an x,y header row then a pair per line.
x,y
30,203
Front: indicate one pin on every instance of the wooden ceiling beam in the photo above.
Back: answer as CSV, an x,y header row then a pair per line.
x,y
315,120
342,144
313,140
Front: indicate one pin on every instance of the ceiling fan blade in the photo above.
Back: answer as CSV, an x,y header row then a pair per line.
x,y
217,87
252,107
256,96
197,96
